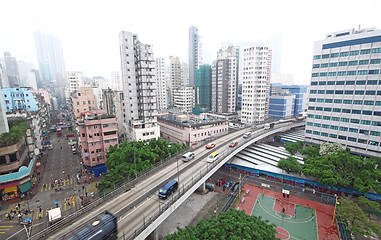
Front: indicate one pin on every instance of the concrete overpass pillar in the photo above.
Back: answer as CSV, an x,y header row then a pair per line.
x,y
153,235
201,188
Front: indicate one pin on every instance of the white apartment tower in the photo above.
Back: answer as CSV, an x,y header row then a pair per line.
x,y
139,88
256,73
184,98
225,80
184,74
195,54
161,86
116,81
174,74
345,93
74,80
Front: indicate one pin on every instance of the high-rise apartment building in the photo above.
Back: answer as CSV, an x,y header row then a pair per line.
x,y
83,100
225,80
139,88
161,86
12,70
74,81
256,73
3,76
184,74
183,98
50,58
203,89
345,93
174,74
116,81
195,54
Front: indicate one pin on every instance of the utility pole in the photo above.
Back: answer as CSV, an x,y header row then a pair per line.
x,y
239,187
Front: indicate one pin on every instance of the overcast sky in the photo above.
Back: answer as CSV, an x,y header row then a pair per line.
x,y
89,29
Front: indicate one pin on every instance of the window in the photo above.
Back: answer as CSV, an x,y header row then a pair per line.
x,y
323,74
324,65
344,110
351,73
353,130
361,82
356,52
334,127
317,124
315,75
363,62
311,108
365,51
376,50
333,64
375,123
356,111
332,135
378,103
373,143
339,91
319,108
310,116
315,65
325,56
365,122
357,102
309,124
327,109
313,91
344,54
342,64
352,139
349,92
328,100
362,131
353,63
336,110
374,71
342,137
359,92
343,73
350,82
333,55
375,61
355,120
340,82
316,132
324,134
335,119
321,91
325,126
326,118
344,119
377,113
320,100
361,141
370,92
337,101
371,82
318,116
347,101
331,83
374,133
312,100
308,131
332,74
362,72
344,129
378,92
317,57
329,91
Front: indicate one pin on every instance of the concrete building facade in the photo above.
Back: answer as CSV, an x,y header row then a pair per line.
x,y
83,100
203,89
113,104
139,88
184,98
345,93
19,99
195,54
161,86
174,75
256,75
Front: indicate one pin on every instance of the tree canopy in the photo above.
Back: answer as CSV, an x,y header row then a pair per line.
x,y
232,224
129,158
290,164
359,222
330,148
293,147
16,132
346,170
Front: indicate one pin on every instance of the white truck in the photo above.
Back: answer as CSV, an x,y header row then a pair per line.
x,y
269,125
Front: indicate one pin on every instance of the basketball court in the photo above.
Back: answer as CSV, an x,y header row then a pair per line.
x,y
295,217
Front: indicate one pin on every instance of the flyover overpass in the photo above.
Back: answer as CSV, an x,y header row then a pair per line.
x,y
137,206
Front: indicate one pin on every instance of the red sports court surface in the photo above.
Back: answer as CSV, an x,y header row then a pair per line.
x,y
324,212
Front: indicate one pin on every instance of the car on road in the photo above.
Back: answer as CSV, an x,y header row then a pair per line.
x,y
221,182
50,146
228,184
233,144
210,145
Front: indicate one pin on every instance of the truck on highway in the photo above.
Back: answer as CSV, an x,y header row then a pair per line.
x,y
269,125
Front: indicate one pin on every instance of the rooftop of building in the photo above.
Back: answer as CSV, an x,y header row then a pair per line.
x,y
94,115
189,122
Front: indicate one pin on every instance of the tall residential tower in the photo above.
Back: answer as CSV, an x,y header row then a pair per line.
x,y
345,93
139,88
195,54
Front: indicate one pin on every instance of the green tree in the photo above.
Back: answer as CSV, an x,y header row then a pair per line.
x,y
290,164
359,222
329,148
366,203
293,147
346,170
232,224
310,151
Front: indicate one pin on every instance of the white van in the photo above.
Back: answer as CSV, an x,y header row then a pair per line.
x,y
212,157
247,135
188,156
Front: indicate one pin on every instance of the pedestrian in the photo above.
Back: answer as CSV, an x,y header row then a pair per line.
x,y
313,191
61,147
283,210
303,190
295,212
17,207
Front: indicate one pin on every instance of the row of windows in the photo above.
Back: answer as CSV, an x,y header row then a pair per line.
x,y
352,139
358,82
346,73
347,101
345,129
350,63
346,92
353,120
353,111
350,53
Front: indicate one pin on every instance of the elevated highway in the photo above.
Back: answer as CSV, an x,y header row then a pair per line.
x,y
137,206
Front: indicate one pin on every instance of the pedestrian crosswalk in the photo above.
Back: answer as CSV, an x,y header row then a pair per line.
x,y
53,186
5,227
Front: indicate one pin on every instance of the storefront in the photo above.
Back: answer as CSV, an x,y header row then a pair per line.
x,y
10,192
25,187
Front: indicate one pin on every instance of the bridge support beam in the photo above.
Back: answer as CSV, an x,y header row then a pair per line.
x,y
154,235
201,188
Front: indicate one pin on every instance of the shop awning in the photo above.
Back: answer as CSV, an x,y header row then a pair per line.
x,y
25,187
10,189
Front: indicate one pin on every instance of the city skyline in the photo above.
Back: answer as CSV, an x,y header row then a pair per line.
x,y
90,40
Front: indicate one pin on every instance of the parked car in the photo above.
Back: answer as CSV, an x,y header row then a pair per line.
x,y
221,182
210,145
228,184
233,144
